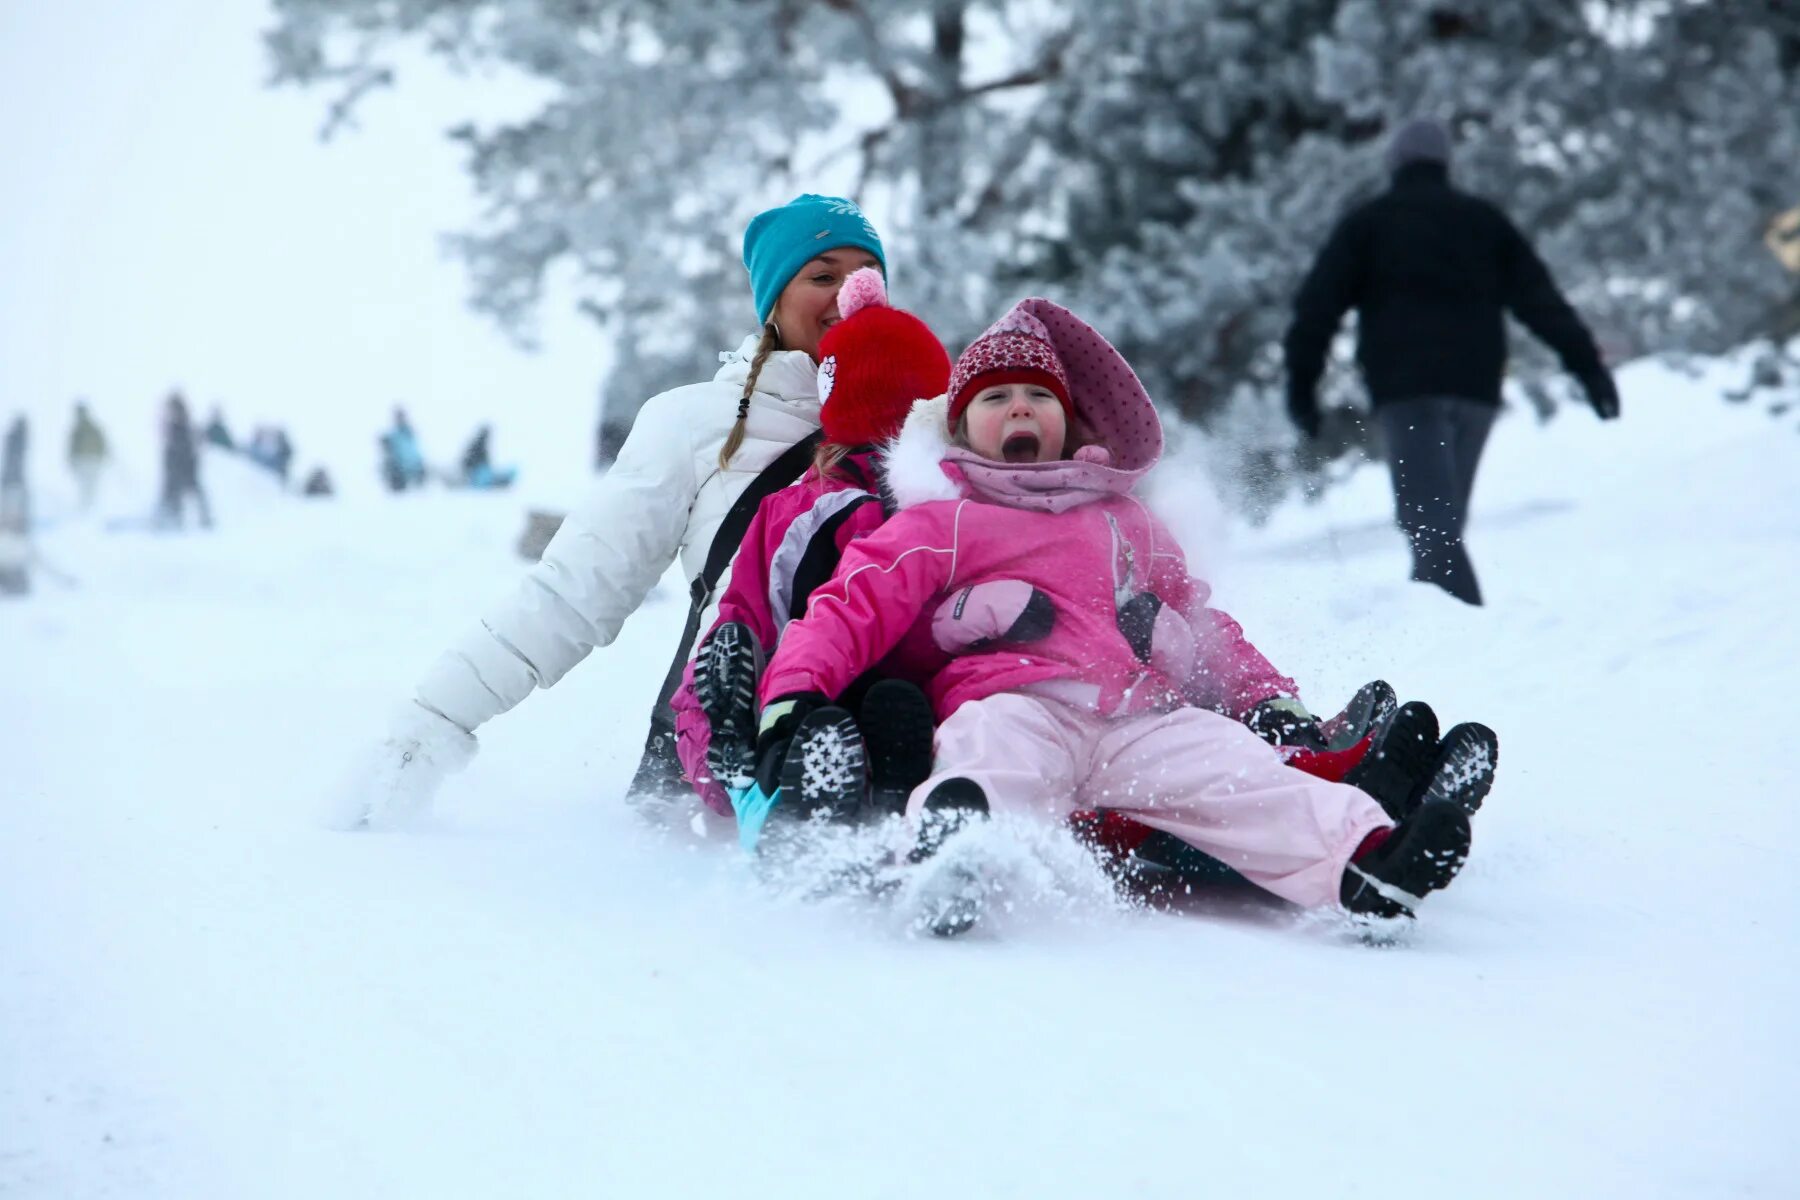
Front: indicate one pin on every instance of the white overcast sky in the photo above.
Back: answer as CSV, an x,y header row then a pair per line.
x,y
168,221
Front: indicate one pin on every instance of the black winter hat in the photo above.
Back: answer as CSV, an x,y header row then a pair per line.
x,y
1419,140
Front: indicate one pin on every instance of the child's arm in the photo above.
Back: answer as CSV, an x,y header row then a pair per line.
x,y
1230,674
880,589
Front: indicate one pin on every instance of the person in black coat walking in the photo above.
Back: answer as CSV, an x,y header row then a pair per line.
x,y
1432,271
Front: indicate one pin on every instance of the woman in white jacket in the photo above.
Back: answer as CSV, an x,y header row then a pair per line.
x,y
691,452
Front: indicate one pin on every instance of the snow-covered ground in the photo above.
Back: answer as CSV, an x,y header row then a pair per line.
x,y
203,993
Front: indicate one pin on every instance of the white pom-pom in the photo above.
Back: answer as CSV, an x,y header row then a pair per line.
x,y
864,289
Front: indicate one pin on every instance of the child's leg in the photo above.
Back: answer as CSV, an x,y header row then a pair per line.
x,y
1021,751
1217,786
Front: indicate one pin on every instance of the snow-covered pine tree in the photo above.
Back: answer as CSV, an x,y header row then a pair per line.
x,y
1168,166
669,123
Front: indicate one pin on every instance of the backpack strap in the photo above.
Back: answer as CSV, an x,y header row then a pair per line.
x,y
786,468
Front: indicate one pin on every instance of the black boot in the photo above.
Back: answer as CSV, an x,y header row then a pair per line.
x,y
1399,759
951,805
1462,772
1421,855
953,900
897,724
826,769
1373,705
726,670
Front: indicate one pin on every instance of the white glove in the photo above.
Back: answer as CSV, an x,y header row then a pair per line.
x,y
392,783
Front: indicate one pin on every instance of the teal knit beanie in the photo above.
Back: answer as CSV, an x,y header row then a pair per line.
x,y
781,241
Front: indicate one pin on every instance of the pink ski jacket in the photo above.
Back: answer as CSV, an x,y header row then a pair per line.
x,y
793,544
1047,577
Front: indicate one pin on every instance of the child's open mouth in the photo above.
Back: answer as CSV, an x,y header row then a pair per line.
x,y
1020,448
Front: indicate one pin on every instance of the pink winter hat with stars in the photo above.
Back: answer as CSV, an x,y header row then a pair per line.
x,y
1015,349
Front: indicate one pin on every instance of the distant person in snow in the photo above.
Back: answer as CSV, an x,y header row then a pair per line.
x,y
87,455
317,484
12,455
270,448
1432,271
478,470
15,511
402,465
281,453
216,433
476,463
181,467
12,471
692,454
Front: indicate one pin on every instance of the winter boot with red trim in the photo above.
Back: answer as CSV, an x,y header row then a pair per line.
x,y
1399,759
1398,867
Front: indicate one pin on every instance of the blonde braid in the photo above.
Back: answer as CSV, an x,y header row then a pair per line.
x,y
827,457
771,339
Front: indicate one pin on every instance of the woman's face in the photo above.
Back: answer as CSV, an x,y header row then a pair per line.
x,y
808,304
1016,422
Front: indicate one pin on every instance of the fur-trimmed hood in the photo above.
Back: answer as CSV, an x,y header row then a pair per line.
x,y
1116,435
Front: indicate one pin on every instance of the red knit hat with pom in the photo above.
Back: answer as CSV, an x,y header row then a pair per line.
x,y
1015,349
874,363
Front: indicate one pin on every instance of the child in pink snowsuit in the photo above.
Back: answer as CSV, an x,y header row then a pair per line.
x,y
1085,669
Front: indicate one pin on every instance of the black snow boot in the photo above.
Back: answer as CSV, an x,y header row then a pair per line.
x,y
952,900
1421,855
951,805
1373,705
1462,772
897,724
1399,759
826,769
726,670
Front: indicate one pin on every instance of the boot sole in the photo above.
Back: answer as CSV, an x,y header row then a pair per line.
x,y
958,909
725,679
827,767
1463,771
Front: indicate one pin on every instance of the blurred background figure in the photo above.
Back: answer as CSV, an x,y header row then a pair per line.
x,y
281,452
1432,272
215,433
15,512
87,455
478,469
317,484
271,448
402,466
181,467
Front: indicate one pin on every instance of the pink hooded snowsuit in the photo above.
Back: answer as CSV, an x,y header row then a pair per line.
x,y
772,570
1084,668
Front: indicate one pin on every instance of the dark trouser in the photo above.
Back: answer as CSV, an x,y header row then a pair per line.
x,y
1433,447
175,492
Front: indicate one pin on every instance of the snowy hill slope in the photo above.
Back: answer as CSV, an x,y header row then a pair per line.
x,y
204,994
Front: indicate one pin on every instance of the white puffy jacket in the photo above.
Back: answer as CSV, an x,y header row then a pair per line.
x,y
664,495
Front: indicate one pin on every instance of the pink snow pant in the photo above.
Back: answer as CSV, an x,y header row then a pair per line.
x,y
1193,773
